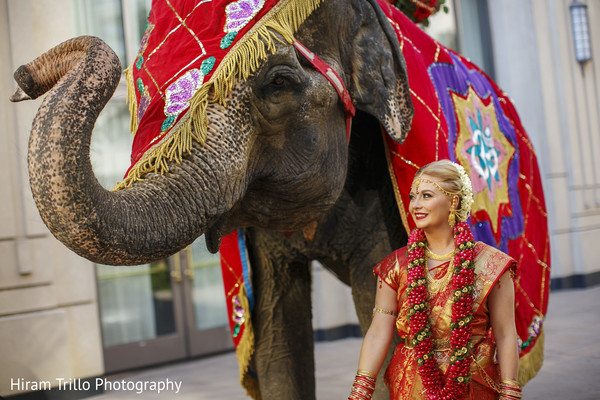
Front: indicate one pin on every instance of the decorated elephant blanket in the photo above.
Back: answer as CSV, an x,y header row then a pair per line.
x,y
460,114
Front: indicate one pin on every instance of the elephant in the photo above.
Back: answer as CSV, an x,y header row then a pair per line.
x,y
275,161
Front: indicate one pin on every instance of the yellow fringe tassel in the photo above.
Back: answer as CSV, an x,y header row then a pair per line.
x,y
531,363
131,100
241,62
245,350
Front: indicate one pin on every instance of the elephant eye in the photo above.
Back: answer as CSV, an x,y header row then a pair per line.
x,y
279,80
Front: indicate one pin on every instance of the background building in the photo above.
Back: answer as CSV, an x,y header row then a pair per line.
x,y
64,317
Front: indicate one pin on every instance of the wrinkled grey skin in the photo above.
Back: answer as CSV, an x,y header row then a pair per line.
x,y
275,160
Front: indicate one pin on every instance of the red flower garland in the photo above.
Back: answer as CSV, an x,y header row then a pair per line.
x,y
458,374
419,10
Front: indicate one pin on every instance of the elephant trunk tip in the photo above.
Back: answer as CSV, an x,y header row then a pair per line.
x,y
19,95
26,84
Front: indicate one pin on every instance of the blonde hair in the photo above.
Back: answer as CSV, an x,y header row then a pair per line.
x,y
453,180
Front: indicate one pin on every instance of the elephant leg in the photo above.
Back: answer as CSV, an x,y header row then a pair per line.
x,y
284,347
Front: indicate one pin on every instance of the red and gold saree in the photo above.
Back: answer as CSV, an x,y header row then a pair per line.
x,y
402,377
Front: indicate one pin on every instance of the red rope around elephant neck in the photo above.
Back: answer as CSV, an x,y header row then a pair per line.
x,y
334,79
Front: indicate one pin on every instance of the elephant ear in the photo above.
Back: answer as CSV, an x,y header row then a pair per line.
x,y
379,81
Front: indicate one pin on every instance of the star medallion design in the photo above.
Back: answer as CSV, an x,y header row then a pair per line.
x,y
485,152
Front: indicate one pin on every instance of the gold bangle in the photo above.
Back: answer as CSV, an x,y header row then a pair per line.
x,y
506,389
510,391
363,386
510,382
365,373
382,311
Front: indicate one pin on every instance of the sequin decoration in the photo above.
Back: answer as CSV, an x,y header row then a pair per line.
x,y
140,86
240,13
238,315
167,123
534,331
207,65
144,103
227,40
139,62
180,92
147,32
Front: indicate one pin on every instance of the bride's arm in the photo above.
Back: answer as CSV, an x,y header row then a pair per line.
x,y
379,336
501,304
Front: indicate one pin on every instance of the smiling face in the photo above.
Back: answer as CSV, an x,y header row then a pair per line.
x,y
429,206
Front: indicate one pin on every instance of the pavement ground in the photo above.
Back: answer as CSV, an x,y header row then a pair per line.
x,y
571,368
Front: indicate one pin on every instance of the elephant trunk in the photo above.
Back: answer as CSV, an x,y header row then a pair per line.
x,y
150,220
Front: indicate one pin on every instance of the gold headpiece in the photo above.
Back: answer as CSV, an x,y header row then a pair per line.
x,y
465,193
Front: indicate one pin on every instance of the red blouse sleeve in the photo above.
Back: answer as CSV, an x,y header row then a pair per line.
x,y
390,267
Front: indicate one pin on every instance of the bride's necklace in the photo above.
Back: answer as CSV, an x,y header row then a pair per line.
x,y
439,257
435,285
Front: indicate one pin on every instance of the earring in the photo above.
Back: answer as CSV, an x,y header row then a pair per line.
x,y
452,218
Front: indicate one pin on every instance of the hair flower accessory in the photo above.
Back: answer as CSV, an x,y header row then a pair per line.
x,y
467,193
